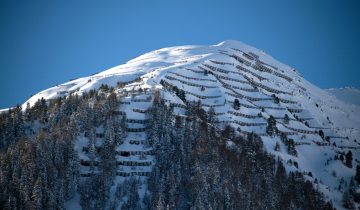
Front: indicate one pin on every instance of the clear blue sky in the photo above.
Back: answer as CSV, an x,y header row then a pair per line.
x,y
44,43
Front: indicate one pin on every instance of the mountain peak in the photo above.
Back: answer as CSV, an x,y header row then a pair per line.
x,y
248,90
165,58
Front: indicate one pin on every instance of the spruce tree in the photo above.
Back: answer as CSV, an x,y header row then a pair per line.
x,y
236,104
348,159
271,128
286,119
357,174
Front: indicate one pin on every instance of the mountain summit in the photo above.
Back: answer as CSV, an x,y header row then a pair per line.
x,y
305,127
218,74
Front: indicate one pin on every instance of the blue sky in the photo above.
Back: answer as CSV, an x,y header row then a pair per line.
x,y
44,43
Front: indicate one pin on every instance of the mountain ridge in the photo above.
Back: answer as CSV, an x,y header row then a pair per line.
x,y
247,89
350,95
141,66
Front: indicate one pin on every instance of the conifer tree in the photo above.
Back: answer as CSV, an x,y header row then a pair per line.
x,y
348,159
236,104
357,174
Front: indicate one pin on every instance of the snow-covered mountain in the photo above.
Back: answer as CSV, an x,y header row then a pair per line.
x,y
245,86
350,95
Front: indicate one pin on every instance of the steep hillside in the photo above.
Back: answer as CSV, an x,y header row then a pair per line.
x,y
308,129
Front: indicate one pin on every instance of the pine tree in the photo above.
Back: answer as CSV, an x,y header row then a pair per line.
x,y
40,110
271,128
348,159
341,158
277,146
107,152
357,174
286,119
291,147
236,104
92,150
276,99
307,124
346,200
111,102
37,195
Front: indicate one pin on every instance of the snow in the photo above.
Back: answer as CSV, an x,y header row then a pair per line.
x,y
349,94
335,111
73,203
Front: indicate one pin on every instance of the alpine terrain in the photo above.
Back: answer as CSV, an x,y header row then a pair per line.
x,y
224,126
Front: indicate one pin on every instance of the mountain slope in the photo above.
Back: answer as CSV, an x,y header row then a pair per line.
x,y
245,87
348,94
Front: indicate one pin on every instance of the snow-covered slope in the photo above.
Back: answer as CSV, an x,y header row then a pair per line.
x,y
217,75
350,95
